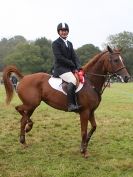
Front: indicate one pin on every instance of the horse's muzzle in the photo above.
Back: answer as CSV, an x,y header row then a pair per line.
x,y
126,79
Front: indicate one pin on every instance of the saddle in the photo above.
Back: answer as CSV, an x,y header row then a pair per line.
x,y
60,85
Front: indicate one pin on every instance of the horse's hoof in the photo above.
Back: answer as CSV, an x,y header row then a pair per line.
x,y
82,149
86,155
22,139
24,145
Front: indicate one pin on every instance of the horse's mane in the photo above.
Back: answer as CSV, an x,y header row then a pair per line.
x,y
92,61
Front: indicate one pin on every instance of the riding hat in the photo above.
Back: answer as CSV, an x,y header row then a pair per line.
x,y
62,26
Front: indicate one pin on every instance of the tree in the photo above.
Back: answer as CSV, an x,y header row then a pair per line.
x,y
46,53
43,42
7,46
26,57
31,57
86,52
123,41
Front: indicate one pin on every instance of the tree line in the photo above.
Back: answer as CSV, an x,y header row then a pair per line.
x,y
36,56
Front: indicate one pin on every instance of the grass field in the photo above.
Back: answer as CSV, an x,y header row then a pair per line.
x,y
54,142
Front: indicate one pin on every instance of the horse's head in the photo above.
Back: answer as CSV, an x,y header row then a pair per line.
x,y
114,64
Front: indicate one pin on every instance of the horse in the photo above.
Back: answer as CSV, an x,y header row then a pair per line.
x,y
34,88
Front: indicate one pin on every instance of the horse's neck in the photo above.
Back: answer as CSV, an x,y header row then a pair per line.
x,y
96,75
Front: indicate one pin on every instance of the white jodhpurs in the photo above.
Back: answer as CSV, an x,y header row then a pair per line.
x,y
68,77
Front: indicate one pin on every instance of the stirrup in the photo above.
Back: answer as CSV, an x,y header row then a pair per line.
x,y
73,107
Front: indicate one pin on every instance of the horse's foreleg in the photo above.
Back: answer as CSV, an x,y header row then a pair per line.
x,y
84,116
93,124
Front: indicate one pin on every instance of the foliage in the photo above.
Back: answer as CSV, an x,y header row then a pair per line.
x,y
26,57
53,143
7,46
41,42
123,41
86,52
32,57
46,53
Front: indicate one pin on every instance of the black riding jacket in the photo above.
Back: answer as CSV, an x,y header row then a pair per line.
x,y
65,58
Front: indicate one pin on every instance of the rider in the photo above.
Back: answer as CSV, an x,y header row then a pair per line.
x,y
65,63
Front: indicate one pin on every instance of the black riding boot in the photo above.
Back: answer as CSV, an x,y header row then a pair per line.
x,y
72,105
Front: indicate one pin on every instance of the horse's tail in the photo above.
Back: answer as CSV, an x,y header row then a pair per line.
x,y
7,82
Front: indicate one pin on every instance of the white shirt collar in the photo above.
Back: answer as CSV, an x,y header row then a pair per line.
x,y
65,40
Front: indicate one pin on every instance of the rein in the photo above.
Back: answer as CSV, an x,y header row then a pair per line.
x,y
108,78
102,75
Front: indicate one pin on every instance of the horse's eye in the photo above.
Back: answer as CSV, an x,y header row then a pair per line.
x,y
116,60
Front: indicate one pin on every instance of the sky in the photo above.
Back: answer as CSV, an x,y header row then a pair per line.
x,y
90,21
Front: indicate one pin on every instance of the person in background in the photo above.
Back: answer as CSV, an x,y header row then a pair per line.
x,y
14,81
66,62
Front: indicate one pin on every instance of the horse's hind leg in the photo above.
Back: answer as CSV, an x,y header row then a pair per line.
x,y
29,123
26,123
27,114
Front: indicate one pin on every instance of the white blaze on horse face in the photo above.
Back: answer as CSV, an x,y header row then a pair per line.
x,y
120,59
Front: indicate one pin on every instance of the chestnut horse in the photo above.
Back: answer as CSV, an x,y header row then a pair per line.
x,y
34,88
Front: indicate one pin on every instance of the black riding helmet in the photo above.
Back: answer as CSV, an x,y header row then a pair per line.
x,y
62,26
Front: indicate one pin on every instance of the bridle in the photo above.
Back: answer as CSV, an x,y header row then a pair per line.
x,y
119,69
108,76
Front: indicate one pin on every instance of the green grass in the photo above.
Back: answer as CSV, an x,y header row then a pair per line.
x,y
54,142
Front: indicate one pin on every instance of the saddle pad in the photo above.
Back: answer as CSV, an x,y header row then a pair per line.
x,y
56,83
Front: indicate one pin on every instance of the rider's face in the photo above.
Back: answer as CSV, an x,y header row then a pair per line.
x,y
63,33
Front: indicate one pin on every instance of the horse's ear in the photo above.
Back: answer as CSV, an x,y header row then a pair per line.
x,y
109,49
